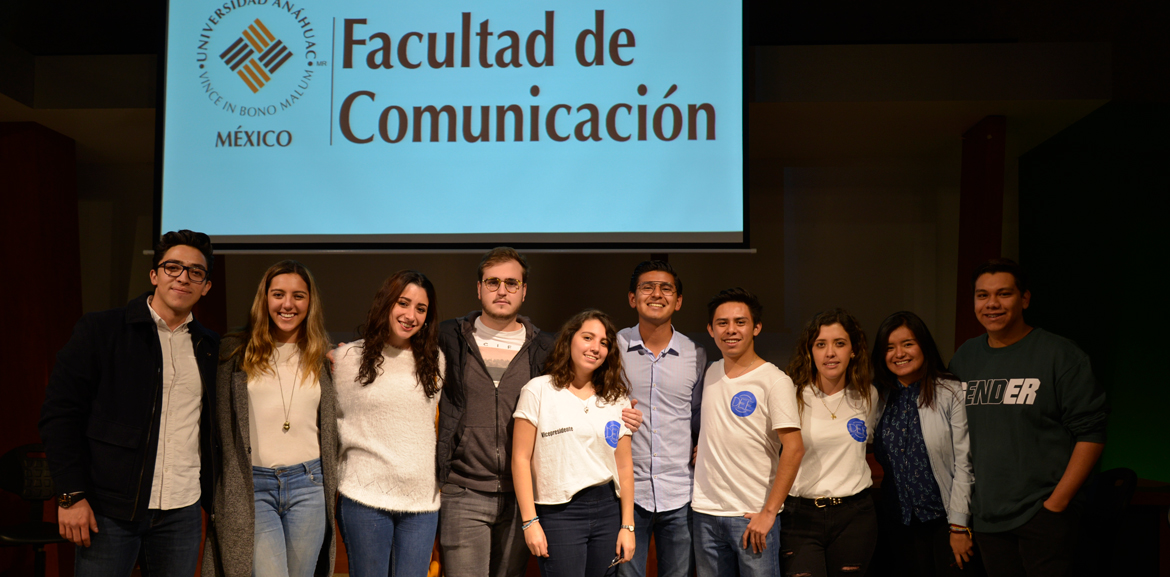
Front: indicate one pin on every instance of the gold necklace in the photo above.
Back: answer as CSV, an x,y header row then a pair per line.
x,y
745,369
822,396
288,408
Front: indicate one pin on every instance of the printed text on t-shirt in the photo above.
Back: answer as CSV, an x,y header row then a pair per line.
x,y
1001,391
556,431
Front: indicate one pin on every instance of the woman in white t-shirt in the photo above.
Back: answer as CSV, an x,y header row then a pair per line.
x,y
277,427
828,524
571,458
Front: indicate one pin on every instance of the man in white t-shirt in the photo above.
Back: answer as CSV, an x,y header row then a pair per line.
x,y
741,475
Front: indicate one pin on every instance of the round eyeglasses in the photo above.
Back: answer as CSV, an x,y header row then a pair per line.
x,y
647,288
493,284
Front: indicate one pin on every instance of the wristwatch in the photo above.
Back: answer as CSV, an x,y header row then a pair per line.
x,y
67,500
629,528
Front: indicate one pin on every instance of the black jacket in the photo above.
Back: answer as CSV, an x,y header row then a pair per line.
x,y
100,420
477,442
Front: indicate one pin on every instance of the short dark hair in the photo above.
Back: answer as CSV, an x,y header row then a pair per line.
x,y
196,240
498,255
736,295
1007,265
651,266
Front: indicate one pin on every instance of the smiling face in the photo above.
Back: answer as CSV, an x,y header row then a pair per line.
x,y
589,347
407,315
288,305
999,306
904,357
733,329
655,308
501,304
178,295
831,353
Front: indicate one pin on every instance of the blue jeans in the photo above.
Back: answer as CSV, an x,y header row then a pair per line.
x,y
582,534
719,548
381,543
672,543
290,520
169,540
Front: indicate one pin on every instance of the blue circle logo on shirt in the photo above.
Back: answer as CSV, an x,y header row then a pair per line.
x,y
613,432
743,404
856,429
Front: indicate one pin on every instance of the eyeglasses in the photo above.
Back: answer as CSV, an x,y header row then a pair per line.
x,y
616,561
493,284
195,274
647,288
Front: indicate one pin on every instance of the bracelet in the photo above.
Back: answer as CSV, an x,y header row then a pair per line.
x,y
529,523
961,529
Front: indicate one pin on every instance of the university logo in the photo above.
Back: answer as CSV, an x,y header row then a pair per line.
x,y
254,70
256,58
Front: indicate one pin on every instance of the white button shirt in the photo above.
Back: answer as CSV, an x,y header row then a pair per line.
x,y
176,464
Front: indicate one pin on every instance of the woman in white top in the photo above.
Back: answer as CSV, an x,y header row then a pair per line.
x,y
922,444
388,387
828,525
277,427
571,459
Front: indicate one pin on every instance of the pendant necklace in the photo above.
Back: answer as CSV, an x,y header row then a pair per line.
x,y
833,412
288,407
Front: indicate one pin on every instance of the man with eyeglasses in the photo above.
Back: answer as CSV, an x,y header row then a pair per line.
x,y
129,447
665,370
491,354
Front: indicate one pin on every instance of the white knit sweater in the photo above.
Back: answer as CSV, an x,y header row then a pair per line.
x,y
387,431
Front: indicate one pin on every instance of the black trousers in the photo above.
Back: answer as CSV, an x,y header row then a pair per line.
x,y
834,540
921,549
1045,546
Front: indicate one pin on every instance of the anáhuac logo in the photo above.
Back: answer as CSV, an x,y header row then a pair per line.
x,y
257,57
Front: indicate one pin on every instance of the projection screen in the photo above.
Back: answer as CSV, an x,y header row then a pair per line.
x,y
389,124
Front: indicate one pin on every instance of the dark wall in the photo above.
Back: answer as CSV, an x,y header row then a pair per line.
x,y
1094,244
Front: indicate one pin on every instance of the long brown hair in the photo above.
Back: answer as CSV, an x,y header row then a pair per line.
x,y
609,380
258,346
934,371
803,370
424,344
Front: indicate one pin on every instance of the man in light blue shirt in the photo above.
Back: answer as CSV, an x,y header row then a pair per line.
x,y
665,369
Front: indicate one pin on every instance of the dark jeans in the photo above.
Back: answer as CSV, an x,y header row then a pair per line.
x,y
169,541
582,534
672,543
922,549
829,540
1043,547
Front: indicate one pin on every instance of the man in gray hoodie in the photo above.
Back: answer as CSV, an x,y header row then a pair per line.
x,y
491,354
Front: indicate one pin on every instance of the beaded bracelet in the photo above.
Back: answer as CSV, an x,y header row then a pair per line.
x,y
961,529
529,523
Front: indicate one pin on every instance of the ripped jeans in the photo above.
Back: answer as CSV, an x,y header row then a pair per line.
x,y
834,540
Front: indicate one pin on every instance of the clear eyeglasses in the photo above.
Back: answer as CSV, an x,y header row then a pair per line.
x,y
647,288
493,284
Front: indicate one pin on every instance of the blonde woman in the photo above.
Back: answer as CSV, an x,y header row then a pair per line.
x,y
276,418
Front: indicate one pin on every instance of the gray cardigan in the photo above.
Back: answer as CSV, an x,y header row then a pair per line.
x,y
230,532
944,428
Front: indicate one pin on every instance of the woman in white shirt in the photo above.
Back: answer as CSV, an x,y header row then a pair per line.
x,y
275,412
828,524
571,462
388,387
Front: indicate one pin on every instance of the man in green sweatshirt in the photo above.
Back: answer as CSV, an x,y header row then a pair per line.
x,y
1037,422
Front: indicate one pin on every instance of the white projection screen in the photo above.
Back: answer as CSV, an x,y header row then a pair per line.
x,y
363,124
